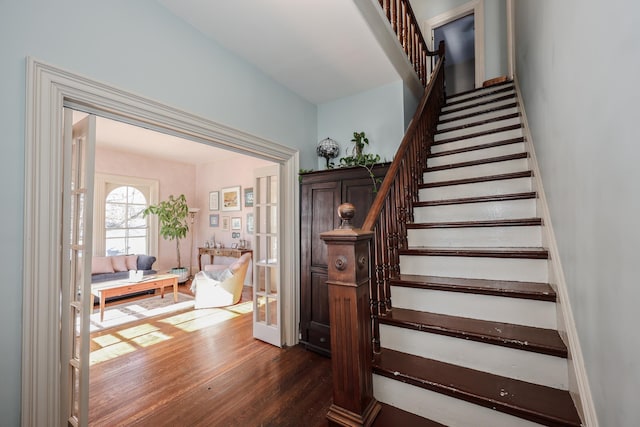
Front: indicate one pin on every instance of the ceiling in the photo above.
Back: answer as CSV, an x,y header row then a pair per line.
x,y
320,49
119,136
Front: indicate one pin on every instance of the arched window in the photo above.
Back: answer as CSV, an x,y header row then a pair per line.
x,y
126,229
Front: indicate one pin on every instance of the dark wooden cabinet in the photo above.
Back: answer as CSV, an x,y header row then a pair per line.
x,y
320,195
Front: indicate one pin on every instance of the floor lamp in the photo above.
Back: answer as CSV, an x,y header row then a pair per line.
x,y
192,219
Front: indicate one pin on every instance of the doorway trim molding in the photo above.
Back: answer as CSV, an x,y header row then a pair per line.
x,y
48,89
477,8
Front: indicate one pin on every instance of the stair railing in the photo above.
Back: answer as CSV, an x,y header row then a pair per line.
x,y
361,263
405,25
392,208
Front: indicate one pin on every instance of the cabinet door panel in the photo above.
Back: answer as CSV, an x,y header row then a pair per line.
x,y
359,192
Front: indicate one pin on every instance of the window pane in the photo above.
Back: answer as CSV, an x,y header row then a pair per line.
x,y
135,217
115,216
126,227
115,247
137,245
117,232
118,195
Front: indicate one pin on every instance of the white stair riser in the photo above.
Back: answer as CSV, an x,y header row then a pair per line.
x,y
484,169
508,209
477,237
488,188
485,153
441,408
478,109
519,311
478,118
477,140
520,270
471,102
550,371
478,128
477,92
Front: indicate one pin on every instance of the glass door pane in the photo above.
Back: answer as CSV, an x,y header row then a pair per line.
x,y
266,295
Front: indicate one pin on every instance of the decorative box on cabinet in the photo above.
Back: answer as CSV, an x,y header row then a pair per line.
x,y
320,195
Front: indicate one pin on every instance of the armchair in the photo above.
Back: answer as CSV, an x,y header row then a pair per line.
x,y
221,287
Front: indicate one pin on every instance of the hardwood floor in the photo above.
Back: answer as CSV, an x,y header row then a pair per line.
x,y
204,368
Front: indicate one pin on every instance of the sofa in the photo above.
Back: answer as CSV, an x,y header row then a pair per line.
x,y
116,267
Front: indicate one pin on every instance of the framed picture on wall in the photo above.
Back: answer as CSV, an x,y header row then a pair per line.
x,y
236,223
250,224
225,223
214,220
248,197
214,200
231,199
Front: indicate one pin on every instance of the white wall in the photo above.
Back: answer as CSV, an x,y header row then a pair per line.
x,y
577,64
495,29
140,47
379,113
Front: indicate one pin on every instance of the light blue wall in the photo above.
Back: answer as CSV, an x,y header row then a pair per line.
x,y
378,112
495,29
139,47
578,64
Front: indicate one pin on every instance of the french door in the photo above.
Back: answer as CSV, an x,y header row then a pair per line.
x,y
267,298
76,299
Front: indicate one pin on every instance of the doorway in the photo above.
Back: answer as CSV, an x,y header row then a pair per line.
x,y
462,29
460,66
49,90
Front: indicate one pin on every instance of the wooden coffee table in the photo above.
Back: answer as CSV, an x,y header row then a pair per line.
x,y
116,288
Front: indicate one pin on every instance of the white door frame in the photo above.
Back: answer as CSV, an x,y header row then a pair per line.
x,y
48,89
477,8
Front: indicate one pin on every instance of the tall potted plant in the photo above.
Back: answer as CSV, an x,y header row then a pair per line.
x,y
172,214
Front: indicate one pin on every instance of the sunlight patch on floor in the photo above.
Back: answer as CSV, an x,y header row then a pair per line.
x,y
137,331
151,338
110,352
202,322
106,340
243,308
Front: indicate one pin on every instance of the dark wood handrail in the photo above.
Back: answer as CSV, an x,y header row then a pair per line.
x,y
404,23
407,140
392,208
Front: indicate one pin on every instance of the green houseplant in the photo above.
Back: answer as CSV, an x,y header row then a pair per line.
x,y
172,214
358,158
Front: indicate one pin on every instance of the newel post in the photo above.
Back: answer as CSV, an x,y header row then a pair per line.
x,y
349,314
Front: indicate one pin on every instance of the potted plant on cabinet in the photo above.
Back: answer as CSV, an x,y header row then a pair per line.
x,y
172,214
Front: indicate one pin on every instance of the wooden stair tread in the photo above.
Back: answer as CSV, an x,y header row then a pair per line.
x,y
496,159
485,102
450,101
477,113
390,416
527,338
513,175
477,134
480,89
479,199
537,403
511,222
510,252
479,123
504,288
478,147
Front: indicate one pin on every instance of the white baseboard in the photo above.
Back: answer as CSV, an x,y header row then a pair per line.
x,y
578,380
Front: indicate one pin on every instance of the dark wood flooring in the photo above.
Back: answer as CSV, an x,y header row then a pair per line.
x,y
204,368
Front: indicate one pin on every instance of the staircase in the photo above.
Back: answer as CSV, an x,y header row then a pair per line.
x,y
472,337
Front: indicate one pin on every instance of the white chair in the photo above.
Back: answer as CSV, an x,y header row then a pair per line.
x,y
217,287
